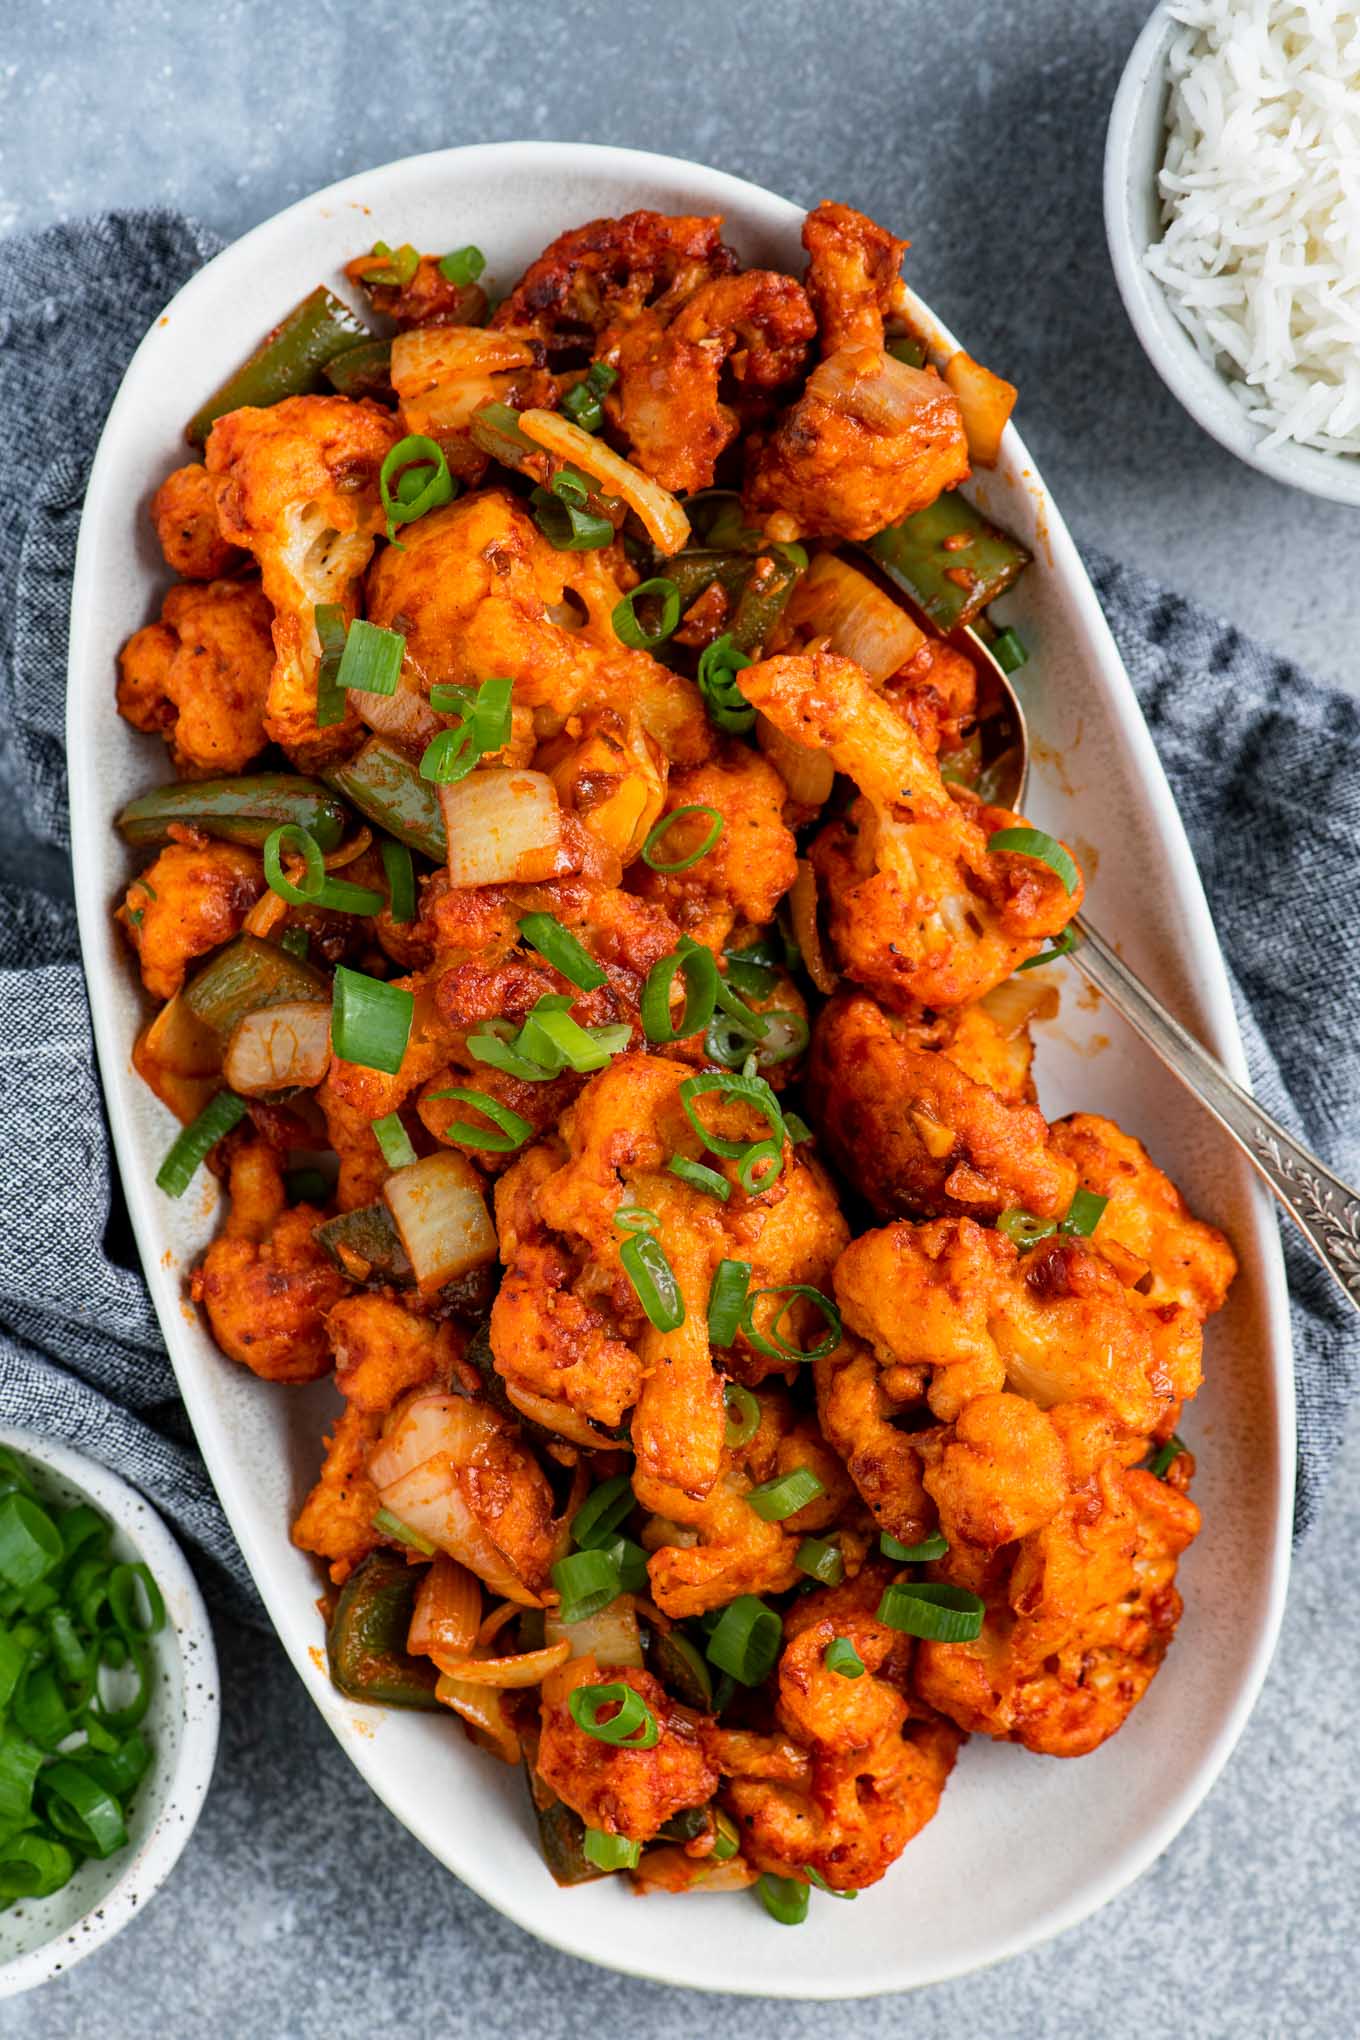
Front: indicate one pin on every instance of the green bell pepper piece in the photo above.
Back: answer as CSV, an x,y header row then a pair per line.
x,y
245,976
287,363
950,560
362,371
371,1234
366,1642
384,785
242,810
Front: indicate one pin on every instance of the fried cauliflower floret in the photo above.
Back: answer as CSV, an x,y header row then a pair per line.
x,y
856,1412
297,486
382,1350
190,900
915,1133
336,1520
707,1552
752,864
478,590
264,1282
754,327
619,1791
610,269
611,775
184,512
351,1097
996,1473
200,676
853,277
920,911
952,1310
568,1326
1076,1625
427,298
1184,1261
822,1708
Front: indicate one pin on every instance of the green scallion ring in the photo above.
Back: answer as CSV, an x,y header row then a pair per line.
x,y
497,1054
632,1727
1044,849
587,1581
932,1547
940,1613
784,1898
370,1020
636,1218
371,660
667,822
610,1852
726,1840
700,1177
399,872
450,755
318,888
820,1561
1023,1229
1164,1457
388,1525
771,1343
727,1301
743,1411
644,1263
624,620
745,1640
1064,943
462,266
433,486
841,1656
786,1494
816,1877
1083,1214
545,933
603,1511
700,973
507,1132
753,1090
761,1167
394,1141
218,1117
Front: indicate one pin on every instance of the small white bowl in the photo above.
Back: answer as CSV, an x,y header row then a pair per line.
x,y
1134,150
41,1938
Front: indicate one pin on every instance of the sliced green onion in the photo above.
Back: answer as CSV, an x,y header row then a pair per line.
x,y
401,879
786,1494
392,1526
761,1167
1044,849
932,1547
636,1218
752,1090
601,376
633,1727
1023,1229
431,487
943,1614
624,620
394,1141
820,1561
20,1763
696,965
370,1021
583,407
318,889
657,835
784,1898
797,1128
726,1840
218,1117
727,706
372,658
507,1131
1162,1460
129,1587
329,619
402,264
700,1177
783,1034
905,349
462,265
1083,1214
545,933
1063,945
727,1301
30,1542
551,1037
771,1343
1008,649
600,1515
561,515
743,1411
502,1055
88,1814
745,1640
841,1656
653,1279
450,756
587,1582
610,1852
630,1561
816,1877
32,1866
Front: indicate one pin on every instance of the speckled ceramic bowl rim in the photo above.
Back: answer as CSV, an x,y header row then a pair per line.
x,y
149,1862
1133,156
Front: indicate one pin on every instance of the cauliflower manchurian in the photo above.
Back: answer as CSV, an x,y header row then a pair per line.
x,y
606,1044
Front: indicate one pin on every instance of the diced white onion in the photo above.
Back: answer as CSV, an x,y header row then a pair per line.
x,y
503,827
430,1499
279,1048
483,1709
448,1610
667,524
442,373
809,775
858,619
986,401
440,1211
611,1637
525,1668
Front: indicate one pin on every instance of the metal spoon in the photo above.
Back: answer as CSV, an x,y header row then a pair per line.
x,y
1326,1210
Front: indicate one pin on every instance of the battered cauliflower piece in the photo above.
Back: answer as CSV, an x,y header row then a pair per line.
x,y
952,1311
611,774
611,269
854,276
920,911
567,1328
351,1097
752,864
264,1282
754,327
995,1474
478,590
856,1411
1177,1257
915,1133
297,486
199,677
1077,1624
184,512
427,299
190,900
620,1791
336,1520
862,1773
707,1552
382,1350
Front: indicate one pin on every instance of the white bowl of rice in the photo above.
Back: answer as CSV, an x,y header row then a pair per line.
x,y
1232,207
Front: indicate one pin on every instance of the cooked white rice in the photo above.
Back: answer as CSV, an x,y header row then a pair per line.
x,y
1260,256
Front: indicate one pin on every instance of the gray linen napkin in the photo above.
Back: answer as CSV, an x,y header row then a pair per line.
x,y
1264,763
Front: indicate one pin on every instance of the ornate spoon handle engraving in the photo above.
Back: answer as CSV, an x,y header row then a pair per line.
x,y
1326,1210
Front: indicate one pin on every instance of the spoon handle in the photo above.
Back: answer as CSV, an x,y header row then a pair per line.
x,y
1326,1210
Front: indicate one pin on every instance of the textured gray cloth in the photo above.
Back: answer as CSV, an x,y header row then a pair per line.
x,y
1264,763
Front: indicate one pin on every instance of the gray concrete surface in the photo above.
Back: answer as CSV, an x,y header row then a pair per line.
x,y
301,1909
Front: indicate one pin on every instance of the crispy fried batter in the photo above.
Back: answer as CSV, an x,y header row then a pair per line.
x,y
297,486
382,1350
854,276
621,1791
193,897
1186,1261
184,512
200,676
264,1282
752,864
336,1520
610,269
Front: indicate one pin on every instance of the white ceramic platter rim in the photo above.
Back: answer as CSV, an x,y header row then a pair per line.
x,y
184,1665
828,1959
